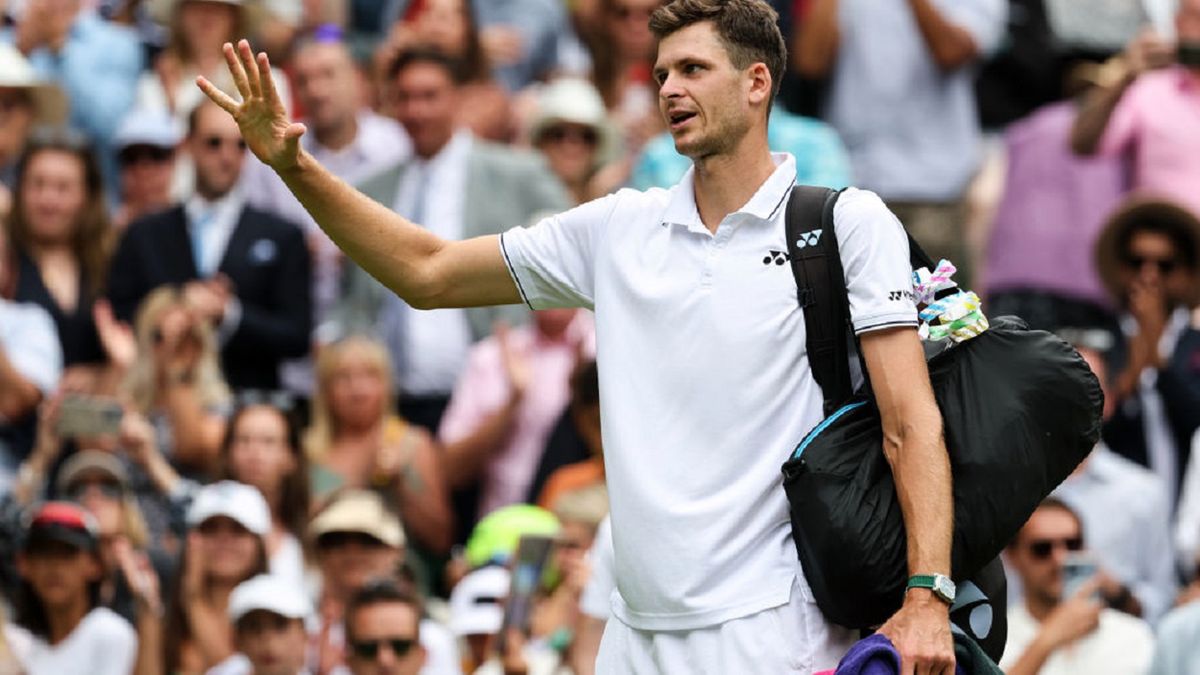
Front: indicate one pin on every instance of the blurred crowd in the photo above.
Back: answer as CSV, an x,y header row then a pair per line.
x,y
224,448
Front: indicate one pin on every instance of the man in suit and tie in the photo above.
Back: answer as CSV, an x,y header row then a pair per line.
x,y
463,187
243,269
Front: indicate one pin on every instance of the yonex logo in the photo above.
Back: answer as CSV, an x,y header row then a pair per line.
x,y
809,239
777,257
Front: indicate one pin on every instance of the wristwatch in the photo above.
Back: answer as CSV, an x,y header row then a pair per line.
x,y
941,585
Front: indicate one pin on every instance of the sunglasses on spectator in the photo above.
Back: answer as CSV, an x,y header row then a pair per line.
x,y
138,154
369,649
108,488
579,134
1165,265
340,539
12,101
278,399
1041,549
215,142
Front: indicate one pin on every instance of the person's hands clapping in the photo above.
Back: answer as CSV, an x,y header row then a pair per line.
x,y
140,577
115,336
271,136
516,364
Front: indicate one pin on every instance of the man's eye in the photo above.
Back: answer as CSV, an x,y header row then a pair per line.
x,y
691,68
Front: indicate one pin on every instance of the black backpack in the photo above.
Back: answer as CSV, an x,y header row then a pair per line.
x,y
1020,409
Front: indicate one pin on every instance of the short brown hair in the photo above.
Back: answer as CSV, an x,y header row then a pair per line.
x,y
748,29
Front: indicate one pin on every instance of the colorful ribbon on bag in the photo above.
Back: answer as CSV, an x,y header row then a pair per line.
x,y
958,317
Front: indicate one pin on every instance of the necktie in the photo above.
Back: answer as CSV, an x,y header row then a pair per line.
x,y
199,228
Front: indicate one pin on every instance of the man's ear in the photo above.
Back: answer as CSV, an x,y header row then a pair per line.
x,y
760,84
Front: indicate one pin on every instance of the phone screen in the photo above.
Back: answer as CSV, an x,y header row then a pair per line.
x,y
1077,569
85,416
529,564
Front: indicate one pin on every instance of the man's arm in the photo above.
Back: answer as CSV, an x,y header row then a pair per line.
x,y
815,45
916,451
1145,52
423,269
950,44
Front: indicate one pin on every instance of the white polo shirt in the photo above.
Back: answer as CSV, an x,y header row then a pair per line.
x,y
704,381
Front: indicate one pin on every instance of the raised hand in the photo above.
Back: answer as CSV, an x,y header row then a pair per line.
x,y
261,116
116,336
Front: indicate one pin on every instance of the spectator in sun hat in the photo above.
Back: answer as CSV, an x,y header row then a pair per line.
x,y
25,102
146,145
227,523
268,615
1148,256
60,627
570,127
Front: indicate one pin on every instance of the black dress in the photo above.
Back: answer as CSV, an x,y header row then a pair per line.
x,y
77,329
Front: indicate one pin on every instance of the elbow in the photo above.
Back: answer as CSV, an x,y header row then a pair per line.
x,y
1081,143
955,56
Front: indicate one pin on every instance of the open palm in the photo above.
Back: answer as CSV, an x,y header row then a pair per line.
x,y
261,116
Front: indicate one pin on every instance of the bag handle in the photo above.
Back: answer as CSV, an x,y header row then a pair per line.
x,y
821,289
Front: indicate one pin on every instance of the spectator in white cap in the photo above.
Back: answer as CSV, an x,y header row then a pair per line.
x,y
227,523
571,129
268,617
26,101
477,615
146,144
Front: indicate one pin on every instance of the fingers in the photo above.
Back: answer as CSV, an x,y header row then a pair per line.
x,y
217,96
237,71
253,77
267,86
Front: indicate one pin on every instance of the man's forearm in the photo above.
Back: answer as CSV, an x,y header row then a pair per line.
x,y
18,396
1094,115
921,468
950,44
386,245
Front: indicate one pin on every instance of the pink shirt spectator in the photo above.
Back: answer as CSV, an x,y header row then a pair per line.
x,y
1158,121
483,388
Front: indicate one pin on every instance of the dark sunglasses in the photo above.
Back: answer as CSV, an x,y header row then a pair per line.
x,y
562,133
1041,549
215,142
369,649
137,154
339,539
107,488
1165,265
280,400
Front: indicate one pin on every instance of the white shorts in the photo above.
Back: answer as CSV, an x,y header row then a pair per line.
x,y
791,638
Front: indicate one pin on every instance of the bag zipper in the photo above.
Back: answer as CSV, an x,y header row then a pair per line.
x,y
824,425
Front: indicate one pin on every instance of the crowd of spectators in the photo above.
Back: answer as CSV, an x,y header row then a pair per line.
x,y
225,448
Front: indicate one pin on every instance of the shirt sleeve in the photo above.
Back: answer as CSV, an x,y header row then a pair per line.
x,y
553,262
37,354
874,250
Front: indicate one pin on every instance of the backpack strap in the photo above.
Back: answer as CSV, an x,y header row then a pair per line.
x,y
821,289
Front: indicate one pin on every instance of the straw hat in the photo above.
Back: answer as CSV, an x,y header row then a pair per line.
x,y
163,11
1135,211
49,102
575,101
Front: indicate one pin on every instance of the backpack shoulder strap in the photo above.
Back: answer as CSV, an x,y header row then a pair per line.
x,y
821,289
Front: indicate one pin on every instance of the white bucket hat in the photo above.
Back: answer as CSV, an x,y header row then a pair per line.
x,y
575,101
16,72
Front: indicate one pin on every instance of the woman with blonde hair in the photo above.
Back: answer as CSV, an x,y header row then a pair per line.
x,y
176,382
357,441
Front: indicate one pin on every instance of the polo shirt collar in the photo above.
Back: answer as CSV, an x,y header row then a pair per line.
x,y
764,205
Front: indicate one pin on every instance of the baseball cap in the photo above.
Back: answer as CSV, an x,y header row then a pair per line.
x,y
61,522
268,593
234,500
147,126
477,602
91,461
495,538
360,511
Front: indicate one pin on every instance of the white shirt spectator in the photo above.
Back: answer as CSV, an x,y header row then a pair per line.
x,y
1126,524
1178,650
1121,645
1187,517
704,380
29,341
102,644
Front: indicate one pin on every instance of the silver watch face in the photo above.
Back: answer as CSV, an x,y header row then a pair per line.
x,y
944,587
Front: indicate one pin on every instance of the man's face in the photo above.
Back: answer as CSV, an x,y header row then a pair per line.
x,y
146,172
1040,549
1154,263
705,101
426,103
1187,21
629,25
326,85
16,119
274,644
58,572
382,640
218,150
348,560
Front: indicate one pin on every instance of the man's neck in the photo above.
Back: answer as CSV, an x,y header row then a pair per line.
x,y
338,135
725,182
65,619
1037,608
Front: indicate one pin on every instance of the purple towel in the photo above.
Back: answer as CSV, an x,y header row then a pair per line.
x,y
875,655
